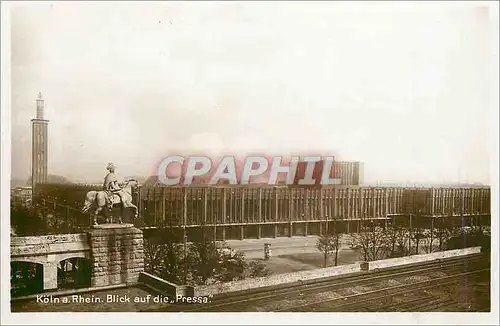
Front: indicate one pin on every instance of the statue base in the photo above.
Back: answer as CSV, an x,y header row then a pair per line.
x,y
113,226
117,252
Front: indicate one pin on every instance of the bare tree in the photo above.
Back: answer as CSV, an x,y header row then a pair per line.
x,y
417,239
396,238
443,233
373,243
329,242
402,247
429,238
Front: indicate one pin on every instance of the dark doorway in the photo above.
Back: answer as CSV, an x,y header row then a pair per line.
x,y
73,273
25,278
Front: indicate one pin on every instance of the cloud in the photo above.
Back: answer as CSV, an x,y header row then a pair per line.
x,y
396,86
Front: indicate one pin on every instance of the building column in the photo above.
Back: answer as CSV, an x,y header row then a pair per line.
x,y
243,219
276,215
290,210
259,235
50,274
224,207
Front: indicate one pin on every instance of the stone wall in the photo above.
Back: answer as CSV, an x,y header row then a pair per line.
x,y
164,286
47,244
117,255
273,280
423,258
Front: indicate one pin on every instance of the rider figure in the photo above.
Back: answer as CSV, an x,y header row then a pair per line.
x,y
111,185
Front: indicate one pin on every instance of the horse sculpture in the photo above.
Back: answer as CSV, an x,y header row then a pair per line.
x,y
100,199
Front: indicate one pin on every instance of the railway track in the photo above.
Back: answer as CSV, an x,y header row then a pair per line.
x,y
241,301
464,295
358,302
425,302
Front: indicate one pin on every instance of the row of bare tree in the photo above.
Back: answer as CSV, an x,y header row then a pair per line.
x,y
376,242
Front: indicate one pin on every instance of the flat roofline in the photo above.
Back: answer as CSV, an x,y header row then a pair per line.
x,y
24,187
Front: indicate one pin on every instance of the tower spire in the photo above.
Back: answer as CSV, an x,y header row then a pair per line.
x,y
39,146
39,106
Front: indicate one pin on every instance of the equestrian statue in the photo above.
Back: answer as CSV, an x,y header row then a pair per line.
x,y
113,193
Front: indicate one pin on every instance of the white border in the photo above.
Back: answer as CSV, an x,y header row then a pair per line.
x,y
494,159
238,318
5,156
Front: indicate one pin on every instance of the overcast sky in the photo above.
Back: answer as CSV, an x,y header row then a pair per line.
x,y
405,88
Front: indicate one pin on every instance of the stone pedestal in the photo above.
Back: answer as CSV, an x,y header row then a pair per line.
x,y
50,275
117,253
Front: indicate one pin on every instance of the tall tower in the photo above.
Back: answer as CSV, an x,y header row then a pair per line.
x,y
39,146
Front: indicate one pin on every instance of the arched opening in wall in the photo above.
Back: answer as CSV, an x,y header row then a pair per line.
x,y
73,273
25,278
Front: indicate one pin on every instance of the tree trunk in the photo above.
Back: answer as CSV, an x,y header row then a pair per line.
x,y
336,255
326,258
409,237
417,238
441,240
442,234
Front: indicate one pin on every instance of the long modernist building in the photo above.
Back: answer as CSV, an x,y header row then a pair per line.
x,y
253,211
242,212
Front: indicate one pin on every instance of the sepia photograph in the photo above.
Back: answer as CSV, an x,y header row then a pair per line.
x,y
191,161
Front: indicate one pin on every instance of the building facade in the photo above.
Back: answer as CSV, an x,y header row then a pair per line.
x,y
349,173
